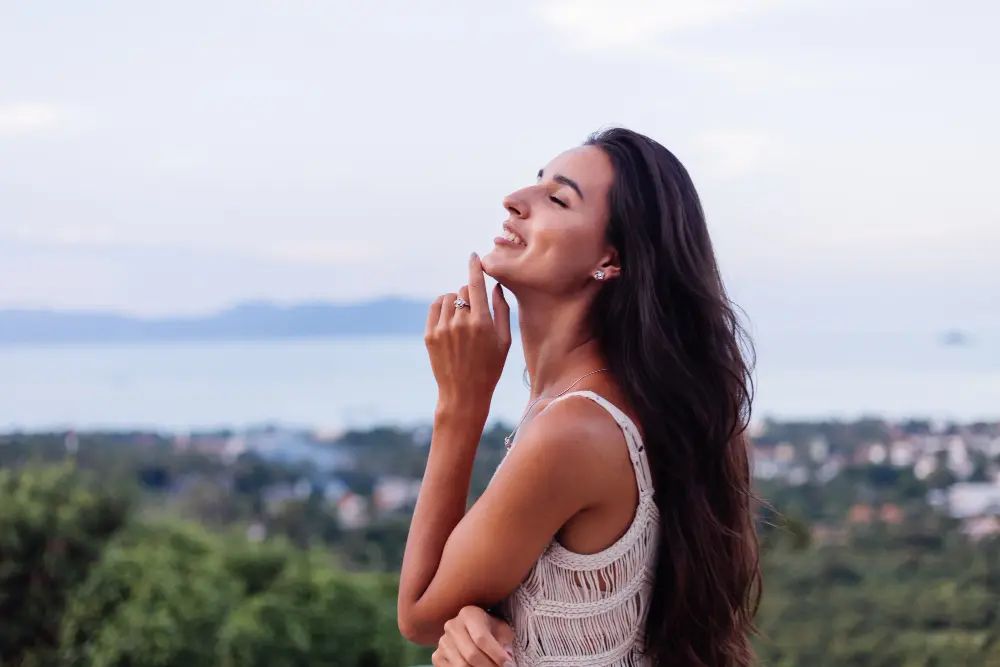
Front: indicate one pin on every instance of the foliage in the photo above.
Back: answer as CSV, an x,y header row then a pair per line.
x,y
138,556
888,606
157,597
87,588
53,527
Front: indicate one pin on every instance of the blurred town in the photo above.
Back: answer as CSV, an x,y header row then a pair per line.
x,y
363,477
881,543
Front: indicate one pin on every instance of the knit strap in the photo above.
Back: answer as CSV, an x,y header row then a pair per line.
x,y
636,449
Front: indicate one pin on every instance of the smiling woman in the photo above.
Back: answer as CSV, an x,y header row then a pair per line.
x,y
619,528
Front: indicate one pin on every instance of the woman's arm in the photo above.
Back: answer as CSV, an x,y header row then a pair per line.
x,y
444,495
452,560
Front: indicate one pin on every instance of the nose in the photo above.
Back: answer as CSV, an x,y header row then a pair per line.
x,y
516,204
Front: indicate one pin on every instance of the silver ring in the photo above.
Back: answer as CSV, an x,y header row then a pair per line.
x,y
461,303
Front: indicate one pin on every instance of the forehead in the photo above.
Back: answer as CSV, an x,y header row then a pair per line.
x,y
589,166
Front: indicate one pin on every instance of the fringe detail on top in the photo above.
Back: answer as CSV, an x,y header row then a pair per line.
x,y
589,610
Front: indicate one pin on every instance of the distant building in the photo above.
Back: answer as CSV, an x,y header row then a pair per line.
x,y
333,490
877,453
891,513
966,500
766,464
291,447
979,527
862,513
785,452
206,444
819,449
924,466
352,511
829,470
395,493
902,454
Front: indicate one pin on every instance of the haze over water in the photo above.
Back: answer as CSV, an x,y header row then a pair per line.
x,y
362,382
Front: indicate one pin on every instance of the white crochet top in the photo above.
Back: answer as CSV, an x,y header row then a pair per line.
x,y
590,610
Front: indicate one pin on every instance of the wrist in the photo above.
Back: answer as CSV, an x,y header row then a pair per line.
x,y
462,415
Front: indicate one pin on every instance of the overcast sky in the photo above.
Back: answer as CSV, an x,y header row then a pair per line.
x,y
183,156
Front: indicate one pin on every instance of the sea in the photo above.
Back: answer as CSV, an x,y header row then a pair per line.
x,y
338,384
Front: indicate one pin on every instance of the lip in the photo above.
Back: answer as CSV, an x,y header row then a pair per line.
x,y
508,226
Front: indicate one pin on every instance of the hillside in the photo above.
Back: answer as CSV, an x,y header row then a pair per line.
x,y
250,321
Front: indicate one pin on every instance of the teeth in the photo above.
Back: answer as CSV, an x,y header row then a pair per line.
x,y
512,237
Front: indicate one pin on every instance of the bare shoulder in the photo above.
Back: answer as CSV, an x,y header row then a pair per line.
x,y
576,436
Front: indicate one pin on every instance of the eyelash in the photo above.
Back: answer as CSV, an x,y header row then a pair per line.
x,y
558,201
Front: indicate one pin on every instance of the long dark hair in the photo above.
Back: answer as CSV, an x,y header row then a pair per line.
x,y
674,341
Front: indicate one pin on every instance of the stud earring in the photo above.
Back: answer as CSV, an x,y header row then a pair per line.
x,y
599,275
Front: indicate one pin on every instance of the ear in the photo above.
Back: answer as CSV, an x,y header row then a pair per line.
x,y
610,265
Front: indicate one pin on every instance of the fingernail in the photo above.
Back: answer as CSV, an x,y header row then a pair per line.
x,y
473,256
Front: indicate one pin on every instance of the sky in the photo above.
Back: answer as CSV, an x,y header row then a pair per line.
x,y
181,157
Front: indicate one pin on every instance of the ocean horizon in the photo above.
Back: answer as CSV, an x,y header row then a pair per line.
x,y
341,383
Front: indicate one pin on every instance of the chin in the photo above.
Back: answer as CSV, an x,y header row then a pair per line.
x,y
503,268
494,267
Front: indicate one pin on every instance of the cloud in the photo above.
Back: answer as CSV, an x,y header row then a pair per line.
x,y
340,252
734,153
22,118
639,25
289,251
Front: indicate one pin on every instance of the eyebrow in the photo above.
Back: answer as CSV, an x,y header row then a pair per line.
x,y
559,178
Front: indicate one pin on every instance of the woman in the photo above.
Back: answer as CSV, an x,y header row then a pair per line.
x,y
619,528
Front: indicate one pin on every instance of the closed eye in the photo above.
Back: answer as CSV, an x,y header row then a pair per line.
x,y
558,201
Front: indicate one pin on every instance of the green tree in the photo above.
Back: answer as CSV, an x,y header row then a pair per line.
x,y
311,614
157,598
54,525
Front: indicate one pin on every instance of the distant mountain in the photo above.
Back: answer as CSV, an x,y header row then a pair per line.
x,y
250,321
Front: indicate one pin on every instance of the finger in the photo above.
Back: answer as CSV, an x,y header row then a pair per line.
x,y
433,315
450,655
491,645
447,309
502,633
439,659
463,293
470,651
477,285
501,315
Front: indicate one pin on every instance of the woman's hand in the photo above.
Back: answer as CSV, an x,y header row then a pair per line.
x,y
467,346
475,639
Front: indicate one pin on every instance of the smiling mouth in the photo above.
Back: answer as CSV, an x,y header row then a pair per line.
x,y
512,237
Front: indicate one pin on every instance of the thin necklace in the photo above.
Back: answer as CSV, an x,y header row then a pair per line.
x,y
510,438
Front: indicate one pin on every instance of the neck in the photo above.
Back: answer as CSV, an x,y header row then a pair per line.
x,y
558,345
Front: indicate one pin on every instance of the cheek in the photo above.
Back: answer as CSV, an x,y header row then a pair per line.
x,y
562,252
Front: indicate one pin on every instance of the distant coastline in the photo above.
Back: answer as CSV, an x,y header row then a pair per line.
x,y
263,321
244,322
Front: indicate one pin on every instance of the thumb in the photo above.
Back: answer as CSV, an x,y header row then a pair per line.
x,y
501,315
502,632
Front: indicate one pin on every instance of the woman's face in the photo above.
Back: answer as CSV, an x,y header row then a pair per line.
x,y
554,237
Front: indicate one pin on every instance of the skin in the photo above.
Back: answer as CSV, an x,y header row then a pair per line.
x,y
569,477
